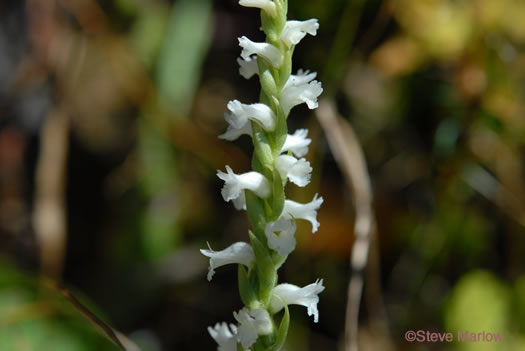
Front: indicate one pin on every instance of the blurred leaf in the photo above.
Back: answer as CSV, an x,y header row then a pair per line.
x,y
479,302
33,317
185,46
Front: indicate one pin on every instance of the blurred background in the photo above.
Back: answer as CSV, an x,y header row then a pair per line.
x,y
109,116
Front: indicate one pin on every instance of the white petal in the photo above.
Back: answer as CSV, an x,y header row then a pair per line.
x,y
294,295
266,5
248,67
307,211
281,235
241,113
225,336
298,171
294,31
233,133
300,89
234,184
267,51
252,323
297,143
239,252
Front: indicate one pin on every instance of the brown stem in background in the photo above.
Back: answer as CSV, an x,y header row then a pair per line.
x,y
349,157
49,219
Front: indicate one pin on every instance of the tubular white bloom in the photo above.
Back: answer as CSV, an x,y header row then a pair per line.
x,y
234,184
239,252
248,67
295,31
252,323
294,295
297,143
242,113
307,211
267,51
266,5
300,89
233,133
298,171
225,338
281,235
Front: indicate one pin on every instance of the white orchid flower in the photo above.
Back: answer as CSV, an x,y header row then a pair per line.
x,y
241,114
298,171
295,31
234,184
281,235
248,67
295,210
297,143
239,252
252,323
294,295
267,51
300,88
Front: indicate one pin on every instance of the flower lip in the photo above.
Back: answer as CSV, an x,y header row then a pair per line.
x,y
225,336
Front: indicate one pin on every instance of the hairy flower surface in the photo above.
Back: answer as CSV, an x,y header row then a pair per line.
x,y
234,184
294,295
239,252
225,336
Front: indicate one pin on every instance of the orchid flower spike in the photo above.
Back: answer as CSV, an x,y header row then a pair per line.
x,y
234,184
297,143
248,67
300,88
239,252
242,113
267,5
281,235
295,210
295,31
252,324
267,51
298,171
293,295
225,336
